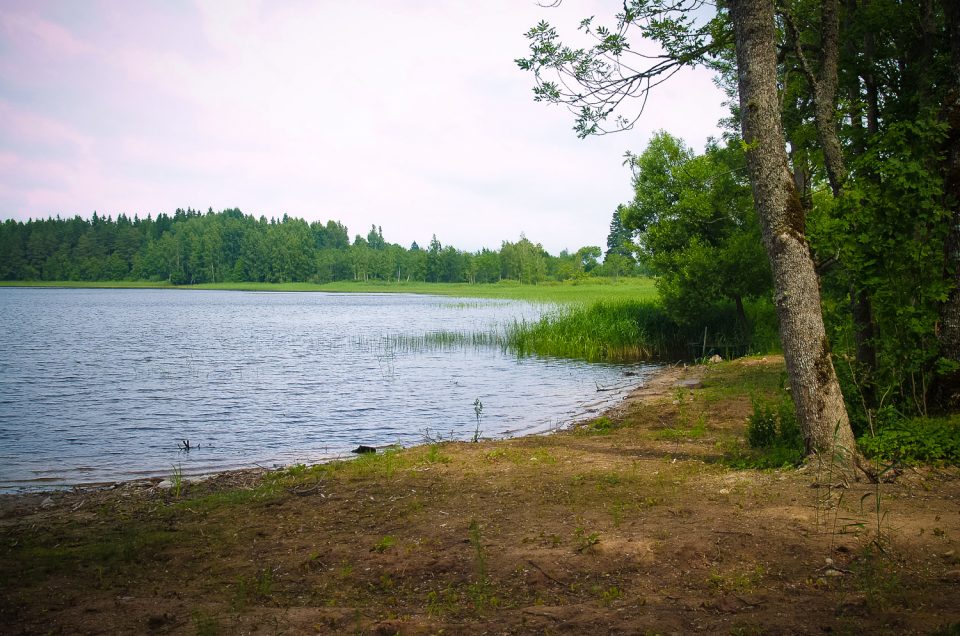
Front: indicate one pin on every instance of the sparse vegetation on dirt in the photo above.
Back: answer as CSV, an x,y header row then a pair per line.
x,y
635,522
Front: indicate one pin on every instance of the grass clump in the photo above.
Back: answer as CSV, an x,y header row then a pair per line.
x,y
630,329
602,425
384,544
773,435
615,331
673,434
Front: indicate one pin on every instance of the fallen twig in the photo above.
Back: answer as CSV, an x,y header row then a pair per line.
x,y
544,572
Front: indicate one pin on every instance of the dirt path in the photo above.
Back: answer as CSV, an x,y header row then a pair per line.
x,y
628,524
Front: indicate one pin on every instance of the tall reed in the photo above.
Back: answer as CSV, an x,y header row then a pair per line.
x,y
618,330
630,330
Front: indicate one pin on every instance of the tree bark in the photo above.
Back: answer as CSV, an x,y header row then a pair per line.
x,y
825,96
824,85
950,311
821,412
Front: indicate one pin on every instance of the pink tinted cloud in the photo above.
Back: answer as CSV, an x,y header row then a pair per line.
x,y
31,32
29,129
408,115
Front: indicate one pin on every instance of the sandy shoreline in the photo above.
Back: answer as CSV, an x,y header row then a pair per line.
x,y
633,523
657,385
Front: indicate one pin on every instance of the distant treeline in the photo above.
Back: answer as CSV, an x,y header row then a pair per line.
x,y
192,247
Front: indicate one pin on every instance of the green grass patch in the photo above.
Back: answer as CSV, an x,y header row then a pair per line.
x,y
610,330
673,434
626,329
723,381
773,435
931,440
569,292
602,425
73,549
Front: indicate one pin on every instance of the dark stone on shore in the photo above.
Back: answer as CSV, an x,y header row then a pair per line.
x,y
359,450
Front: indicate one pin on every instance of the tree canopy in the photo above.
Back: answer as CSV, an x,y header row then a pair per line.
x,y
865,97
191,247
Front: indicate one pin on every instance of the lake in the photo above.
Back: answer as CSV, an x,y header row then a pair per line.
x,y
101,385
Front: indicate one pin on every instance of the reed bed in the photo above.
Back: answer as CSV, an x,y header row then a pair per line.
x,y
634,330
614,331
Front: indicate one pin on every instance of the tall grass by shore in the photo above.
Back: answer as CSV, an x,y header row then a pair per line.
x,y
631,330
616,330
595,319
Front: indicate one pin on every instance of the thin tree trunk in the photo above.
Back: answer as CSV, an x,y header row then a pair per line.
x,y
950,311
741,314
864,336
825,96
821,412
824,86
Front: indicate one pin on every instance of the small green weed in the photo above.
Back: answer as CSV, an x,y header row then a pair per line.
x,y
616,511
738,582
543,457
250,588
607,596
480,590
697,431
435,455
177,479
478,413
602,425
204,624
773,435
773,424
877,577
585,541
476,541
345,571
384,544
441,602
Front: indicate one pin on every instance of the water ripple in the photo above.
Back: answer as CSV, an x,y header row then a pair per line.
x,y
101,385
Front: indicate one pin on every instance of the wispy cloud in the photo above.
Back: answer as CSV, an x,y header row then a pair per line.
x,y
408,115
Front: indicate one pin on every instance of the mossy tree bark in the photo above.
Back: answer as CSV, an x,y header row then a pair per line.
x,y
816,392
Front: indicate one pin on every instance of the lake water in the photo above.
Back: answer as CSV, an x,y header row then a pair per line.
x,y
101,385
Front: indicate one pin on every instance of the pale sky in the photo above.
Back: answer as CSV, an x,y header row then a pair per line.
x,y
406,114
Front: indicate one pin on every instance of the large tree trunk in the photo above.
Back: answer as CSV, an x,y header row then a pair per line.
x,y
816,392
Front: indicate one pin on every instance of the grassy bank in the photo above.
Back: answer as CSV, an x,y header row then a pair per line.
x,y
598,319
618,330
588,291
631,523
640,329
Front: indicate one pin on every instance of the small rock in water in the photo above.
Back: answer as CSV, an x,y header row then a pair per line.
x,y
716,358
364,449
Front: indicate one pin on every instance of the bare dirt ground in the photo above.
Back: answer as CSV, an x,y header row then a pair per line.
x,y
630,524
